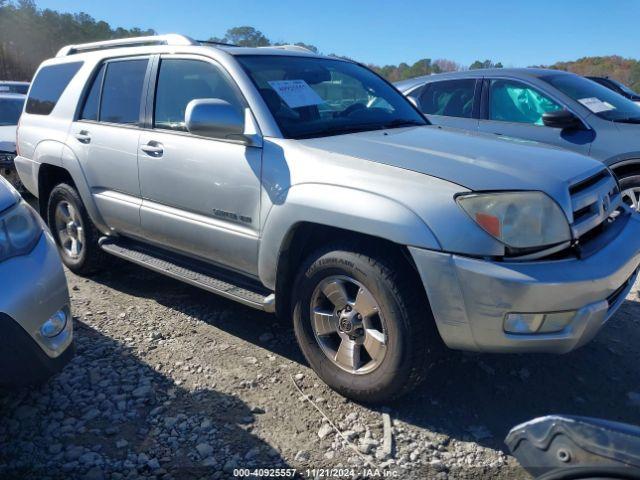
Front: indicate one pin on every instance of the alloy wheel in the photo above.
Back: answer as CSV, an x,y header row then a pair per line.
x,y
348,325
69,229
631,196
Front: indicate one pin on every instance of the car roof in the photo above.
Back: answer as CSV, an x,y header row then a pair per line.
x,y
480,72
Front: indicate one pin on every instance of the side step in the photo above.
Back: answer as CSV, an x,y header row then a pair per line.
x,y
198,274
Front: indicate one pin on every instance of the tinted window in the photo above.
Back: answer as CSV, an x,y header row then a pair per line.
x,y
92,102
181,81
600,100
315,97
122,91
10,110
48,86
453,98
511,101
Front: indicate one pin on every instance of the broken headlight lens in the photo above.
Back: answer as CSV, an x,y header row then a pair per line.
x,y
520,220
20,230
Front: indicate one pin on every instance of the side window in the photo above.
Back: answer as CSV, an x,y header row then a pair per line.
x,y
92,102
511,101
48,86
452,98
122,91
183,80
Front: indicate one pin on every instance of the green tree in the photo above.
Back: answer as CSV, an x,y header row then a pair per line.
x,y
246,36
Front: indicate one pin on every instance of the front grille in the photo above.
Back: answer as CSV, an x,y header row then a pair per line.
x,y
594,201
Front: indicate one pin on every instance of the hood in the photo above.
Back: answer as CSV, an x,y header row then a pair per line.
x,y
8,138
7,195
476,161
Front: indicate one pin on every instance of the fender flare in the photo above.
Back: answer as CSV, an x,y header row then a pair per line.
x,y
58,154
340,207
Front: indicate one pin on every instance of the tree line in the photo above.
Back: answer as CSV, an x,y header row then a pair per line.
x,y
29,35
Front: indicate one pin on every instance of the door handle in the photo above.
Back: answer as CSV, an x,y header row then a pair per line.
x,y
83,136
153,149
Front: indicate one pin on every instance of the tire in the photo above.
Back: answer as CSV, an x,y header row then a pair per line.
x,y
402,315
630,188
65,204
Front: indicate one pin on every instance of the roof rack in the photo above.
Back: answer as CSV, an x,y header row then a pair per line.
x,y
214,42
169,39
295,48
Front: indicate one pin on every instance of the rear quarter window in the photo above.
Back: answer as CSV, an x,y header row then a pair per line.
x,y
48,86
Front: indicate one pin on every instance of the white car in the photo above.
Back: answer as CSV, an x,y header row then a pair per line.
x,y
10,110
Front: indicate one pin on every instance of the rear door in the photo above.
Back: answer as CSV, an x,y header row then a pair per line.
x,y
514,108
105,138
451,103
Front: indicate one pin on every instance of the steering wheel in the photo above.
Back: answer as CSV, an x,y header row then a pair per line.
x,y
351,109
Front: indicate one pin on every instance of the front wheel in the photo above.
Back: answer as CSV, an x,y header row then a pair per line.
x,y
363,324
630,189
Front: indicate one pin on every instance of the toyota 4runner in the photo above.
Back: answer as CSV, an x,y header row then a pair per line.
x,y
308,186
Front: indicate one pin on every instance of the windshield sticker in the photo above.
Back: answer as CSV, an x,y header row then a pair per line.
x,y
296,93
596,105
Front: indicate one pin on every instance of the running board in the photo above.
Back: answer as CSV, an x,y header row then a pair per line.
x,y
198,274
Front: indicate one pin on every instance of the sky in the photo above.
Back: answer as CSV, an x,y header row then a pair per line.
x,y
516,33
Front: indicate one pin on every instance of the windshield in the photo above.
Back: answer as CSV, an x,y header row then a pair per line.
x,y
600,100
10,111
314,97
623,87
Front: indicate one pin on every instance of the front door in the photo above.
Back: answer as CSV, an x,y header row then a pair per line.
x,y
515,109
105,138
200,196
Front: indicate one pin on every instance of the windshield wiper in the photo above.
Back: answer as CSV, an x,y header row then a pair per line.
x,y
627,120
401,122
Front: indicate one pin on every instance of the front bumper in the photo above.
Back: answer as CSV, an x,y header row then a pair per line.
x,y
471,297
34,287
8,171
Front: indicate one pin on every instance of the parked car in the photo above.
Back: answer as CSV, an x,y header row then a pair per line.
x,y
618,87
35,314
550,106
7,86
224,167
11,105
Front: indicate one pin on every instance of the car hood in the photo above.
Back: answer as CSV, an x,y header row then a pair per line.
x,y
7,195
476,161
8,138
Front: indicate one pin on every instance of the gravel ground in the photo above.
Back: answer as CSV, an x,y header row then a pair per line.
x,y
172,382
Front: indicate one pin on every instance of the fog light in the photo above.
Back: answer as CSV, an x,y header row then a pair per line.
x,y
556,322
537,322
54,325
523,322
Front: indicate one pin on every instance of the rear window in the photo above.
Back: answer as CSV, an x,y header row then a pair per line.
x,y
48,86
122,91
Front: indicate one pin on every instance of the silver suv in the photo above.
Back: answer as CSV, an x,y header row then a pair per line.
x,y
309,186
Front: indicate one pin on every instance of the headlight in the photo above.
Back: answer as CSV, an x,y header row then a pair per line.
x,y
521,220
20,230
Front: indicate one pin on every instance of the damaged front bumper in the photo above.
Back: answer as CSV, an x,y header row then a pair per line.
x,y
471,298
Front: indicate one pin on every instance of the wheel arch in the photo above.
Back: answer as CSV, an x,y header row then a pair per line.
x,y
314,215
65,168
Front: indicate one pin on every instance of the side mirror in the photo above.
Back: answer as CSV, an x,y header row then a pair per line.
x,y
216,118
561,119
